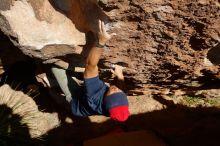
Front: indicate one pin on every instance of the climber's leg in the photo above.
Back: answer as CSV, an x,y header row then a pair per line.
x,y
66,83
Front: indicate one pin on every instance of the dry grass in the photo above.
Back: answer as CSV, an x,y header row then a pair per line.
x,y
25,107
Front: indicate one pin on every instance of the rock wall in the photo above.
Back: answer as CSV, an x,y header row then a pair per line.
x,y
162,41
35,25
159,41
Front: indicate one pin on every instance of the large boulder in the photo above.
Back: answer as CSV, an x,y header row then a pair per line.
x,y
38,26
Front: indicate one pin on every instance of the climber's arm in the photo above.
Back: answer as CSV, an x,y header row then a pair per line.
x,y
92,60
95,53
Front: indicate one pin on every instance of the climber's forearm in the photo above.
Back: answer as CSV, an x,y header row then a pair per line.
x,y
96,52
92,60
120,77
94,56
119,82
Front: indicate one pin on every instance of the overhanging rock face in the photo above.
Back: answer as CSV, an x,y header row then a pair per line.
x,y
34,25
159,41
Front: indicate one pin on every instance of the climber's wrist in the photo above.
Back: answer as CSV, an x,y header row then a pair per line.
x,y
99,45
102,42
121,77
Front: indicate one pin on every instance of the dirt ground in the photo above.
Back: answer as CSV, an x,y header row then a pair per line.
x,y
175,123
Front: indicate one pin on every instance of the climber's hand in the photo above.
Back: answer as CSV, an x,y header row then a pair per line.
x,y
118,71
103,36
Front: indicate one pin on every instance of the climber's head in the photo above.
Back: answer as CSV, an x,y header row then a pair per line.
x,y
116,104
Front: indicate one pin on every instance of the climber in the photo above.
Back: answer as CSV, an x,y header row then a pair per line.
x,y
97,98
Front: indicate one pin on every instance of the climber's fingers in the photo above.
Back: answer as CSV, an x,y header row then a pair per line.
x,y
103,35
103,27
100,27
113,34
112,71
117,66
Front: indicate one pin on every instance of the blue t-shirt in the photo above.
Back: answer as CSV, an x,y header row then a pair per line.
x,y
90,102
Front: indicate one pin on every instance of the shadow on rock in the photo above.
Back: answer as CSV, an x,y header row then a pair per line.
x,y
21,77
214,55
9,54
13,132
177,125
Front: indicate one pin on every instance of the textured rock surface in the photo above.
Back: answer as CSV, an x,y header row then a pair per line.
x,y
162,41
159,41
